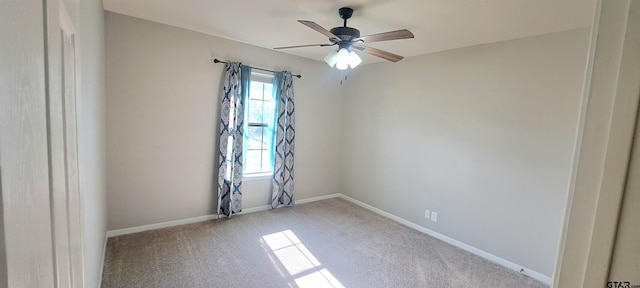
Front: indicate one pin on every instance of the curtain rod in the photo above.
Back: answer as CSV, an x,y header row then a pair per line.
x,y
218,61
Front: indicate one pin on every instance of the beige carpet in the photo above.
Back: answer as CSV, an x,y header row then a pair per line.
x,y
329,243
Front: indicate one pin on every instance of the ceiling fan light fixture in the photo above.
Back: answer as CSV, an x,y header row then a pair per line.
x,y
331,58
343,59
354,59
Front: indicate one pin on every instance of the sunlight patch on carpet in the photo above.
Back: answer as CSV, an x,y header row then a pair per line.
x,y
289,253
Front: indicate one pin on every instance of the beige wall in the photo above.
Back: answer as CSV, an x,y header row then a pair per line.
x,y
483,135
162,111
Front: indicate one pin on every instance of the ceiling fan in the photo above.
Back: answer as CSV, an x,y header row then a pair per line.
x,y
348,39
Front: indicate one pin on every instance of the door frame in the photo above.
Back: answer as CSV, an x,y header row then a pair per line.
x,y
607,118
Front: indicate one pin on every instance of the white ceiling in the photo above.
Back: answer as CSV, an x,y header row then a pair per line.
x,y
437,24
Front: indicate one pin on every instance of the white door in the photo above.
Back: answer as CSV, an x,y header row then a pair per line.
x,y
40,236
26,238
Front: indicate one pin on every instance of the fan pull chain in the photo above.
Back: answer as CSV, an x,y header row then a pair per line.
x,y
346,75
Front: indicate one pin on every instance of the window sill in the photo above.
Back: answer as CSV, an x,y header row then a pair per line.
x,y
257,176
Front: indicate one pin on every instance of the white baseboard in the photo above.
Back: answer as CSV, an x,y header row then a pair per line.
x,y
302,201
124,231
251,210
493,258
118,232
503,262
323,197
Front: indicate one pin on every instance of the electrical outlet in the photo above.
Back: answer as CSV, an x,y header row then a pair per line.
x,y
434,216
427,213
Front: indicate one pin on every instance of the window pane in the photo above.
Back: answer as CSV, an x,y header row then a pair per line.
x,y
266,161
266,138
255,111
269,112
253,161
256,90
268,90
254,137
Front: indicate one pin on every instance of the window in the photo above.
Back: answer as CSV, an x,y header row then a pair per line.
x,y
259,130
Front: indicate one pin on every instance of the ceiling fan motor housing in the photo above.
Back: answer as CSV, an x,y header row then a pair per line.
x,y
346,33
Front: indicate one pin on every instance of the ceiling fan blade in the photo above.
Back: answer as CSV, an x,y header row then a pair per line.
x,y
315,26
299,46
386,36
379,53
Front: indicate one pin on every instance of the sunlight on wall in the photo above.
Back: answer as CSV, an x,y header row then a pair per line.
x,y
289,255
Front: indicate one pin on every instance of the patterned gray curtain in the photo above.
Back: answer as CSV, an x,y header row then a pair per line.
x,y
282,194
234,95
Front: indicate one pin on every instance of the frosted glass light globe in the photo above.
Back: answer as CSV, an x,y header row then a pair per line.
x,y
343,59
